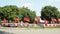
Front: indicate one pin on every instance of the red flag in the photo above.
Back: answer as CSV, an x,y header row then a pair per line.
x,y
54,20
16,19
58,19
37,19
4,21
27,19
46,22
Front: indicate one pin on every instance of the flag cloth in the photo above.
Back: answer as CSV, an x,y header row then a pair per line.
x,y
16,19
58,19
37,19
45,22
5,21
26,19
54,20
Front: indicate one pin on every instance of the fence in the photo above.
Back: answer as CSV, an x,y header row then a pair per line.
x,y
28,25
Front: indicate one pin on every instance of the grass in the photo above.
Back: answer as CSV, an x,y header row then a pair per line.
x,y
39,27
52,27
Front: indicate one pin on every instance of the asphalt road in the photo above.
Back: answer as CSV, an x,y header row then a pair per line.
x,y
30,31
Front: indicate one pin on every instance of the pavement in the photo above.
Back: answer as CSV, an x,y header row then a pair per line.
x,y
29,31
3,32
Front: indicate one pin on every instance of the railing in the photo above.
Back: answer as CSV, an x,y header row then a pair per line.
x,y
36,25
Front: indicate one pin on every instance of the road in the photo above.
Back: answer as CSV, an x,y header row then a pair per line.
x,y
30,31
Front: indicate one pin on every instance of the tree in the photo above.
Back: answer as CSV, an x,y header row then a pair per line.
x,y
58,15
0,12
11,11
48,12
25,12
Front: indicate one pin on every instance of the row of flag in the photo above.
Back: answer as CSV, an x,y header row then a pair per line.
x,y
35,19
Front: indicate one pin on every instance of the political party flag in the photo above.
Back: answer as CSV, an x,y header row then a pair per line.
x,y
54,20
37,19
16,19
27,19
58,19
45,22
5,21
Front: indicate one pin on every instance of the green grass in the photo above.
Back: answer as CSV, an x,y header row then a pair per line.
x,y
52,27
39,27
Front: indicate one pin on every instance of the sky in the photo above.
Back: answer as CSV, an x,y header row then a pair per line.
x,y
35,5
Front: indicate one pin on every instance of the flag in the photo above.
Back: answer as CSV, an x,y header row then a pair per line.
x,y
4,21
45,22
58,19
27,19
54,20
37,19
16,19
